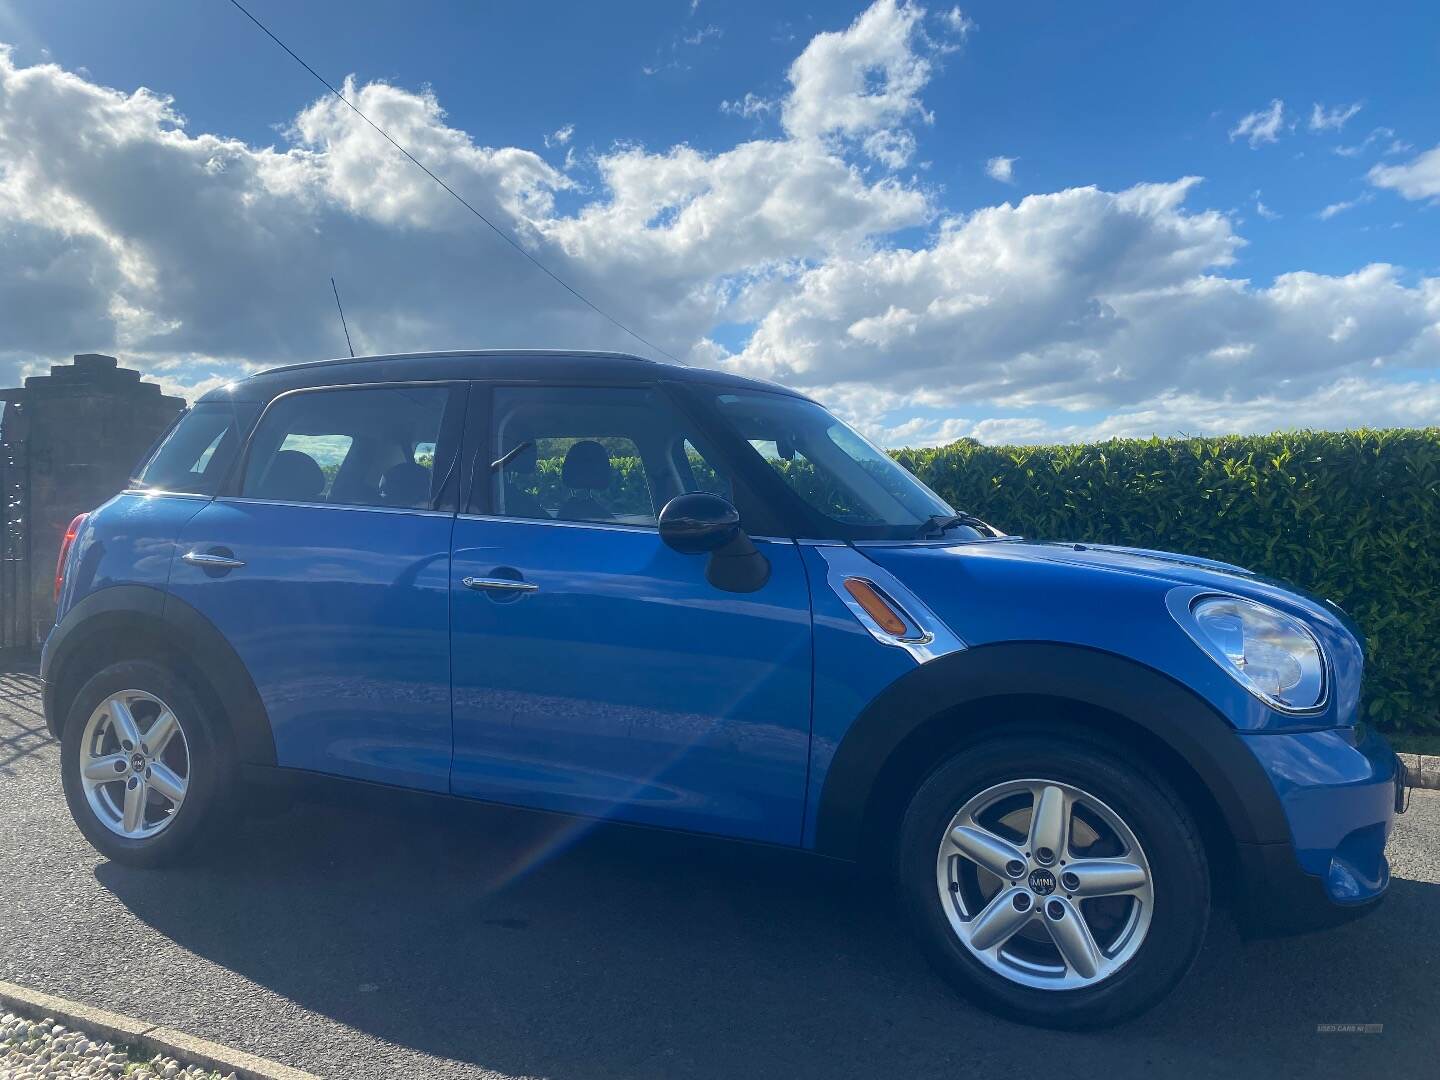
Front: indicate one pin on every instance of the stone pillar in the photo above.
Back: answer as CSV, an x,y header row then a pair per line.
x,y
87,423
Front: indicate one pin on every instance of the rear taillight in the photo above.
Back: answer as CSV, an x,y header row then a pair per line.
x,y
71,531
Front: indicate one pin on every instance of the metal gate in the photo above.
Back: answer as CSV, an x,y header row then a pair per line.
x,y
16,629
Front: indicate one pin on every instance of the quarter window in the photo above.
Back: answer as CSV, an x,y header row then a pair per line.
x,y
195,455
367,446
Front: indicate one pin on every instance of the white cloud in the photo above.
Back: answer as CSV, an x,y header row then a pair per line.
x,y
893,149
750,106
560,136
1396,146
1331,407
199,256
1418,178
137,235
698,37
1263,210
864,79
1323,119
1340,207
1086,299
861,86
1261,126
1002,169
958,23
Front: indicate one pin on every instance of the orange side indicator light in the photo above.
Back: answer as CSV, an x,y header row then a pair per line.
x,y
876,606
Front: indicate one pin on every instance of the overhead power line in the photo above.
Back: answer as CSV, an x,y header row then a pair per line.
x,y
496,229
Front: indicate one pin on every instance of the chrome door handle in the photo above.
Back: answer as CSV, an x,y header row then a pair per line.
x,y
500,584
211,562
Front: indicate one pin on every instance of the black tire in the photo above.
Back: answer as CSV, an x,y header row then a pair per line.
x,y
1149,807
209,784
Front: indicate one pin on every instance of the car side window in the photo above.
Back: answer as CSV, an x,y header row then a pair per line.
x,y
612,456
351,446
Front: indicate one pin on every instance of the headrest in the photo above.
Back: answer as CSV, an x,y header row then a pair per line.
x,y
406,484
293,477
587,466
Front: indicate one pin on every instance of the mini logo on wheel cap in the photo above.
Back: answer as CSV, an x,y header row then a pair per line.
x,y
1042,882
137,761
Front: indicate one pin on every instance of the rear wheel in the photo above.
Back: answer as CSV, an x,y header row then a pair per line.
x,y
1052,883
143,771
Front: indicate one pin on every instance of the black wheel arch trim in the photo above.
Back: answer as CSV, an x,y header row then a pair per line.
x,y
121,608
1149,699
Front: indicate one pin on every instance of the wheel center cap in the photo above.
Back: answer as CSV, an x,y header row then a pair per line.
x,y
137,761
1042,882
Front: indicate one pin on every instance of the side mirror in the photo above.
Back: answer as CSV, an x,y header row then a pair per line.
x,y
698,522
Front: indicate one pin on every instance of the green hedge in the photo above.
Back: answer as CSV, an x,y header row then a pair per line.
x,y
1353,516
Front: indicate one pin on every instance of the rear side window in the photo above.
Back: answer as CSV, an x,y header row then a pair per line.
x,y
193,458
364,446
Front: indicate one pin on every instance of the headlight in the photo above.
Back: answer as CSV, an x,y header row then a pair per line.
x,y
1272,655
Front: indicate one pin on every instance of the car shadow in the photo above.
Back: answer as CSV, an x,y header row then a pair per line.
x,y
535,946
22,724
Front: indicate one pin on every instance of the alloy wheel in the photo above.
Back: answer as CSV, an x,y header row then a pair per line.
x,y
1045,884
134,764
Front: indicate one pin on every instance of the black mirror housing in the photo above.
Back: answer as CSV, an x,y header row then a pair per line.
x,y
697,522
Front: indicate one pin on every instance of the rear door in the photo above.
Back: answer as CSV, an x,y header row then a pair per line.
x,y
596,671
327,569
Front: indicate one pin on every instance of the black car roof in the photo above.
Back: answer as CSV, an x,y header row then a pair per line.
x,y
541,365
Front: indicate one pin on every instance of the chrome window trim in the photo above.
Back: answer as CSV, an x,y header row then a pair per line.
x,y
1181,603
247,500
936,638
606,526
602,526
157,493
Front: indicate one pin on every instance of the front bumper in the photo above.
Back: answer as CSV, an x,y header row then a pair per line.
x,y
1340,798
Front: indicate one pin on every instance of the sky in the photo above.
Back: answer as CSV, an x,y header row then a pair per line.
x,y
1039,222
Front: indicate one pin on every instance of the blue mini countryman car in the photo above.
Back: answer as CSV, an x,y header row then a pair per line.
x,y
599,586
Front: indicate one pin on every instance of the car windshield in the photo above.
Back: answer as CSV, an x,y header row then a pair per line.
x,y
831,466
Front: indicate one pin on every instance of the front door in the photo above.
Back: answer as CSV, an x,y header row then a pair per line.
x,y
328,572
595,670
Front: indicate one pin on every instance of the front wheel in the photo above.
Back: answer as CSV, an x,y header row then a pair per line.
x,y
143,769
1052,883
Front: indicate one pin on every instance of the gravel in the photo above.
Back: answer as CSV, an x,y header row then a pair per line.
x,y
32,1049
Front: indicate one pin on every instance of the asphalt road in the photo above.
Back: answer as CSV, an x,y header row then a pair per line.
x,y
361,942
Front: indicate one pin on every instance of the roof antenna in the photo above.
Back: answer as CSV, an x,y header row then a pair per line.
x,y
336,290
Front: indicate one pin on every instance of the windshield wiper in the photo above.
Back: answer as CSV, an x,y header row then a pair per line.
x,y
939,524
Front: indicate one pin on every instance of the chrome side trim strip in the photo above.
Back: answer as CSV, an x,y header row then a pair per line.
x,y
932,638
